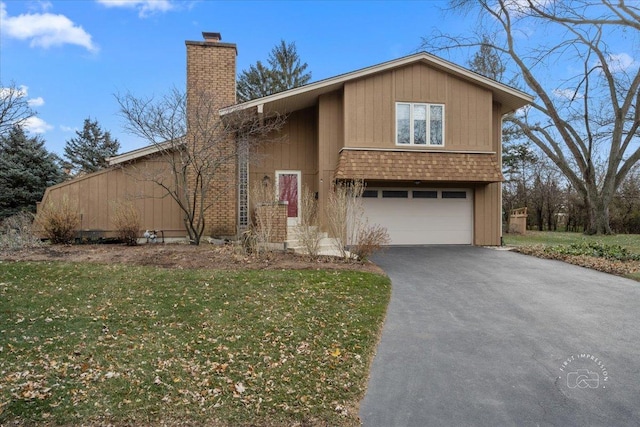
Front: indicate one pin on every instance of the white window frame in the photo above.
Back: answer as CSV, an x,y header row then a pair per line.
x,y
412,131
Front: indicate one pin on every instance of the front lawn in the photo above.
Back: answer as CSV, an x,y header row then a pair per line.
x,y
617,254
85,343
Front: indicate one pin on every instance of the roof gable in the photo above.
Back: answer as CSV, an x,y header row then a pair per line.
x,y
305,96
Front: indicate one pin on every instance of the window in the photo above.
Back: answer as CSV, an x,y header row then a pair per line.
x,y
395,194
372,194
419,124
243,188
454,194
425,194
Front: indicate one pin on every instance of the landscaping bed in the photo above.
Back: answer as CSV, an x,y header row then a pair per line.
x,y
618,255
183,256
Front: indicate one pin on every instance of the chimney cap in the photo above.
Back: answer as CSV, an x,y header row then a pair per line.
x,y
211,37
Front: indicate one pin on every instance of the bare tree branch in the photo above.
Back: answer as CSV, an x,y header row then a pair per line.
x,y
198,150
14,107
590,141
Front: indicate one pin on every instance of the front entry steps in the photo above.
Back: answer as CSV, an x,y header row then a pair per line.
x,y
327,246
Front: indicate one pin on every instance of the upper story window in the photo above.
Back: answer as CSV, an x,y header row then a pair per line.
x,y
419,124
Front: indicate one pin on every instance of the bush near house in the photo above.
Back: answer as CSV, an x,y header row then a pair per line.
x,y
16,232
58,221
126,220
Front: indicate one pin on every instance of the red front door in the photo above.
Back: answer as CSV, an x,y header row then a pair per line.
x,y
289,191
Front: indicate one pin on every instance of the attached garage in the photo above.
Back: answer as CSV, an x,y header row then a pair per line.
x,y
422,216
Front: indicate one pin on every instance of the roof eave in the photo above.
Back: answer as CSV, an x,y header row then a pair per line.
x,y
336,82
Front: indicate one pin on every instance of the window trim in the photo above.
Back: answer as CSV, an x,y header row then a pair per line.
x,y
411,122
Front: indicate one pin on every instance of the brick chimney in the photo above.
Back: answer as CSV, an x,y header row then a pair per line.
x,y
211,72
211,68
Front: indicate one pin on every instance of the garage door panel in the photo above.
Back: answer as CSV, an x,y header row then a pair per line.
x,y
423,221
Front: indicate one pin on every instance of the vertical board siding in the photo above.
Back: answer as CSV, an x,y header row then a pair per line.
x,y
96,195
298,151
486,215
330,141
370,108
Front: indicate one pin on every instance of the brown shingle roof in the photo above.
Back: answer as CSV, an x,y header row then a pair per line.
x,y
418,166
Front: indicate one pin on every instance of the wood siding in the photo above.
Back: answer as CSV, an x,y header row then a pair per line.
x,y
487,215
330,141
369,106
298,151
96,194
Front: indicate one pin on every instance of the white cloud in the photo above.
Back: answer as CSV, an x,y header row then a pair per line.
x,y
144,7
9,92
569,94
37,125
518,8
36,102
619,62
44,29
20,92
40,5
64,128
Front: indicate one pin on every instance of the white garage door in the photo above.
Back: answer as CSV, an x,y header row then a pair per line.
x,y
422,216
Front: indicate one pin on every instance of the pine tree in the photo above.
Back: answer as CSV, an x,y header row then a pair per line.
x,y
88,151
487,62
287,70
284,71
26,170
255,83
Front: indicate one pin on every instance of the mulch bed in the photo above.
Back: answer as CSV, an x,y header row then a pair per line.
x,y
219,257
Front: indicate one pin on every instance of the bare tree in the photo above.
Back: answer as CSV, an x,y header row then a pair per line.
x,y
581,122
14,108
198,151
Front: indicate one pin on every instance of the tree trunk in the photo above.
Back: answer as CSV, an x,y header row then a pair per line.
x,y
539,219
598,217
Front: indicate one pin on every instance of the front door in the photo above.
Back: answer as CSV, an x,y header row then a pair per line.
x,y
288,189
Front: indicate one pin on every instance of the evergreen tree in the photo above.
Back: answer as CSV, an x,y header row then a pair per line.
x,y
255,83
487,62
26,170
284,71
88,151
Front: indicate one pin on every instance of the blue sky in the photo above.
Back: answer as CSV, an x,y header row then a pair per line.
x,y
72,56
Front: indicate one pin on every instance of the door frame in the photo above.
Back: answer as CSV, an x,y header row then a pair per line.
x,y
291,221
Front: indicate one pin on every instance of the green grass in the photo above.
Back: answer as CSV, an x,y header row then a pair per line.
x,y
548,238
95,344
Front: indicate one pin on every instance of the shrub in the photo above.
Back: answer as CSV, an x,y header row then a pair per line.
x,y
264,222
344,213
17,232
595,249
308,229
370,239
126,220
349,225
58,221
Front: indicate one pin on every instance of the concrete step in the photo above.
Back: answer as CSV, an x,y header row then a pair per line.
x,y
324,241
323,251
295,233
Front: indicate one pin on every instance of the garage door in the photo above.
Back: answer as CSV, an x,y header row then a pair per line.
x,y
422,216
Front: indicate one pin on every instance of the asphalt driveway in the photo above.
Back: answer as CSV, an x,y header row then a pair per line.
x,y
477,336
